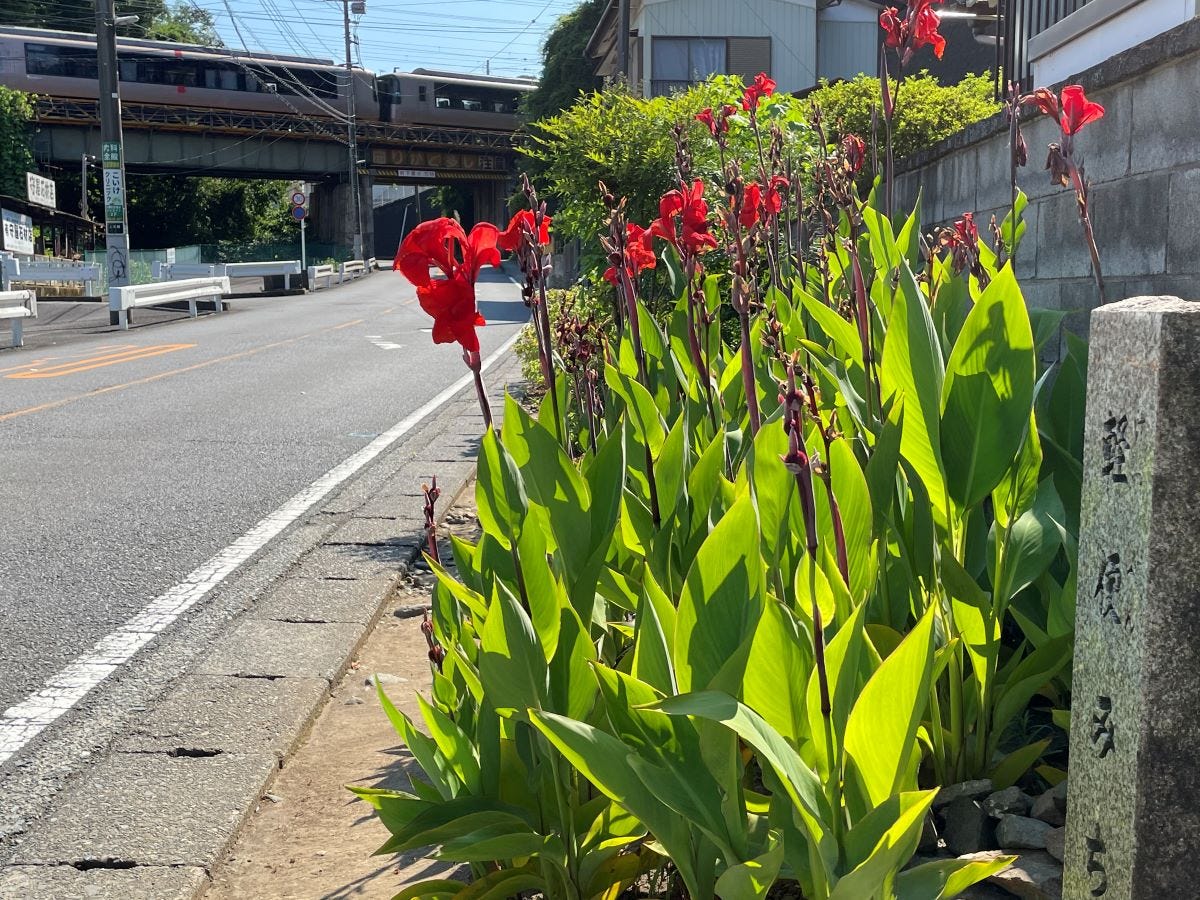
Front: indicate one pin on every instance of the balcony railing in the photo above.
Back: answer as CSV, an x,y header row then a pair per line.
x,y
1021,22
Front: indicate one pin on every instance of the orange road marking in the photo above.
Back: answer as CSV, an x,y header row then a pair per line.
x,y
55,404
347,324
99,362
36,362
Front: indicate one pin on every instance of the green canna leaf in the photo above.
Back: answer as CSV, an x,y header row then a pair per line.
x,y
912,369
987,397
499,491
721,602
881,731
512,665
945,879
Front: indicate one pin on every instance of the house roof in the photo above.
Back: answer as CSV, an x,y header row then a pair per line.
x,y
607,20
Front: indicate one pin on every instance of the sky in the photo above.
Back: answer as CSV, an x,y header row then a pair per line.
x,y
454,35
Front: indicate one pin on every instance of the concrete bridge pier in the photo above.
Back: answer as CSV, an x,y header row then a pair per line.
x,y
332,213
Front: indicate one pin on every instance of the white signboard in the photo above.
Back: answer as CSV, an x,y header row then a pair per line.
x,y
40,190
114,194
18,232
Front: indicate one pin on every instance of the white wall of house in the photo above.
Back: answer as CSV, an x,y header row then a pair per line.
x,y
1098,30
791,25
848,40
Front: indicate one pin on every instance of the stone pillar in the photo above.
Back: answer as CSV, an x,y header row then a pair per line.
x,y
1133,826
333,213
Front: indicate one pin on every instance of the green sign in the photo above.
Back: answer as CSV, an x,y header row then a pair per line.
x,y
111,154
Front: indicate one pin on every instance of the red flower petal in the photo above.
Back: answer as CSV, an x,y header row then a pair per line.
x,y
1077,109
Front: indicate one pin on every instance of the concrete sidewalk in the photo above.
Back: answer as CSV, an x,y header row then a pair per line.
x,y
151,818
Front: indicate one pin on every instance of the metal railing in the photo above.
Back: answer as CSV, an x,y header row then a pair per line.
x,y
1021,21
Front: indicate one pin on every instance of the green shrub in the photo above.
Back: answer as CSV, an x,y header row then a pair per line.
x,y
626,142
926,111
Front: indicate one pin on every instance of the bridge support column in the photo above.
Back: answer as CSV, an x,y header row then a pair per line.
x,y
333,213
491,203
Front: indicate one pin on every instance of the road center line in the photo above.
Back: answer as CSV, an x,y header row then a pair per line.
x,y
20,724
99,362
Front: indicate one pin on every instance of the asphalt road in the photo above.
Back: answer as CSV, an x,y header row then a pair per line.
x,y
127,459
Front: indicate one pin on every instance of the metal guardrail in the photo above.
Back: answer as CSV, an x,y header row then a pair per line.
x,y
264,269
352,268
17,306
38,271
315,272
191,290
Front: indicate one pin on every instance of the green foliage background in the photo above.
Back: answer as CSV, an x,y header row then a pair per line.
x,y
625,141
16,154
926,112
566,71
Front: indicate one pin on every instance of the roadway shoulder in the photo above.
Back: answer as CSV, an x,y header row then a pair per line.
x,y
153,818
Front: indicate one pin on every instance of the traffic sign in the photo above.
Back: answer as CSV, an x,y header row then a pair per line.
x,y
298,198
298,213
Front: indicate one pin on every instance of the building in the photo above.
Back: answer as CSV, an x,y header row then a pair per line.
x,y
661,46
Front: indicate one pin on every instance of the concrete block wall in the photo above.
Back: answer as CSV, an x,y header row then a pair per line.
x,y
1142,158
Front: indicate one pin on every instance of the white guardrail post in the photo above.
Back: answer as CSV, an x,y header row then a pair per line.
x,y
190,290
43,271
18,306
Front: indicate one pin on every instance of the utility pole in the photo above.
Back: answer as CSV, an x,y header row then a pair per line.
x,y
352,133
116,220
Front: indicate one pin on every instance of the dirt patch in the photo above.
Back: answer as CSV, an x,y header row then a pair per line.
x,y
309,838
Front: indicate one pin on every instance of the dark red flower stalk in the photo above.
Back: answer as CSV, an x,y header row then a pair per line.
x,y
431,492
527,236
442,244
437,653
799,465
1072,110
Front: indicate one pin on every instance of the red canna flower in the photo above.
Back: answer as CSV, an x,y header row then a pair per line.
x,y
510,238
1072,112
1077,109
854,152
705,117
925,31
751,199
692,209
916,29
639,253
763,86
893,27
773,201
1045,100
450,300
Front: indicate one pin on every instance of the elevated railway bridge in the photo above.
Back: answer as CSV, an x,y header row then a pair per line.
x,y
195,140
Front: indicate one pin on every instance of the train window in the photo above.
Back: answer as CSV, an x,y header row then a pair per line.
x,y
421,94
60,61
473,105
442,102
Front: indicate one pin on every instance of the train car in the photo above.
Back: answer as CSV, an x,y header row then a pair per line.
x,y
63,64
429,97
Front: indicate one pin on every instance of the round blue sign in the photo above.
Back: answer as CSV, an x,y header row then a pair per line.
x,y
298,212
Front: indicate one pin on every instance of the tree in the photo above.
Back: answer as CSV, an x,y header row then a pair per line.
x,y
183,22
16,151
926,112
566,70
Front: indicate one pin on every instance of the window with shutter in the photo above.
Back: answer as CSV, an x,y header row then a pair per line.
x,y
749,55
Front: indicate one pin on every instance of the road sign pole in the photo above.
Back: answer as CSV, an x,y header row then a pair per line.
x,y
116,221
303,251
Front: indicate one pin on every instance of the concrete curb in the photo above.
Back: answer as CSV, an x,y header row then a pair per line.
x,y
153,817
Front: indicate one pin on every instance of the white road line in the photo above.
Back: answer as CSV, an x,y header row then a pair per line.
x,y
22,723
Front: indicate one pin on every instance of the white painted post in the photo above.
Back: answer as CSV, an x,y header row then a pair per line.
x,y
18,333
